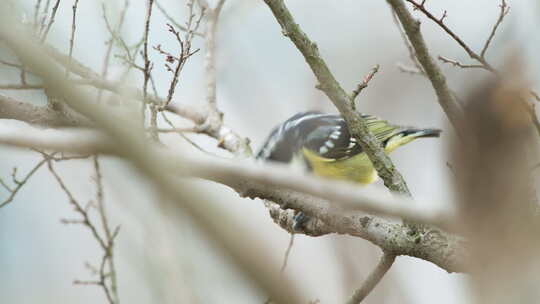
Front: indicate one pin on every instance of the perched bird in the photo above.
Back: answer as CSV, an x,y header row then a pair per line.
x,y
321,143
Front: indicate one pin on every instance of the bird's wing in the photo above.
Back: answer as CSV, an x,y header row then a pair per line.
x,y
331,138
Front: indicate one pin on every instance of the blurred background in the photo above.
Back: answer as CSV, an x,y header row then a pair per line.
x,y
262,80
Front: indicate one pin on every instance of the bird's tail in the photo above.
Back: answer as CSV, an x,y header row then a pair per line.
x,y
417,133
406,135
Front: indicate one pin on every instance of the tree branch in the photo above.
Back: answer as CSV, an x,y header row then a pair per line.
x,y
336,204
343,102
213,123
225,233
227,138
11,108
373,279
19,183
412,28
440,22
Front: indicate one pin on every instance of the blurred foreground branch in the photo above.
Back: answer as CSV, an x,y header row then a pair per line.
x,y
338,205
128,137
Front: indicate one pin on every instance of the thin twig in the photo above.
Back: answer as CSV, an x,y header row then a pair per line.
x,y
171,20
410,70
44,17
36,14
185,49
73,29
106,242
109,235
51,21
191,142
179,130
504,11
11,64
373,279
440,21
78,207
459,64
410,49
287,254
20,183
110,42
363,84
147,69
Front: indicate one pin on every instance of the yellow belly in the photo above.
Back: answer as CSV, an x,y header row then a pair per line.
x,y
357,168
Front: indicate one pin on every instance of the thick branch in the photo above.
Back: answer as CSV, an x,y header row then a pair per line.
x,y
343,102
438,81
13,109
225,233
336,204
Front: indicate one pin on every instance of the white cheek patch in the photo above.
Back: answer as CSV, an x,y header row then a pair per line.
x,y
323,150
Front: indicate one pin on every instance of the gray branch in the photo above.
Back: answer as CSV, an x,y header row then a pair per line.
x,y
412,28
343,102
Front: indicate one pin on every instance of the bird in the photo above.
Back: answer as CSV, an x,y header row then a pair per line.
x,y
322,144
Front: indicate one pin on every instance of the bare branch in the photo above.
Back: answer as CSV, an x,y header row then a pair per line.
x,y
213,118
439,21
373,279
73,29
146,72
226,137
418,67
171,19
51,21
337,199
225,233
185,49
364,84
504,11
438,81
106,242
252,180
70,140
19,183
410,70
78,207
287,253
109,237
11,108
459,64
110,42
329,85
